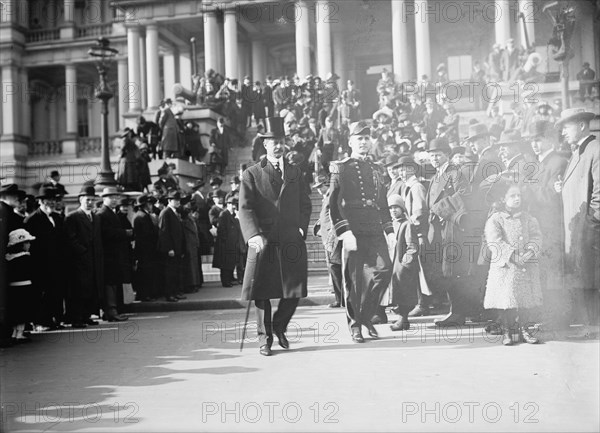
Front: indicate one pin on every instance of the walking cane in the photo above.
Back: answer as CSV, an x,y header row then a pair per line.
x,y
250,266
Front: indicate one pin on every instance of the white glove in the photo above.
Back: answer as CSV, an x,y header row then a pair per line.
x,y
349,241
257,242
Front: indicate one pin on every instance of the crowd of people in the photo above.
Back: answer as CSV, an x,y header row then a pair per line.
x,y
86,265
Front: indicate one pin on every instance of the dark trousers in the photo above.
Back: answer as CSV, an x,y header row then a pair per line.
x,y
267,324
52,300
367,274
111,298
226,277
172,276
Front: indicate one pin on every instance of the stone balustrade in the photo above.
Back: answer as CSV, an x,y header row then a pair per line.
x,y
42,35
45,148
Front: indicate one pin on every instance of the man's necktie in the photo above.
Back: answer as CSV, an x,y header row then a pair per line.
x,y
278,170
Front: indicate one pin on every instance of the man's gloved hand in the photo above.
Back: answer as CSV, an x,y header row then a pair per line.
x,y
349,241
257,242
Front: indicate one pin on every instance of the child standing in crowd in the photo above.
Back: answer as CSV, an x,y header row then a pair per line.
x,y
21,292
514,242
405,276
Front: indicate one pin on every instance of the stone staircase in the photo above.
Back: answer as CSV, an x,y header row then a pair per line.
x,y
316,253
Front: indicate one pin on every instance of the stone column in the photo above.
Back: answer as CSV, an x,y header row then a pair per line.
x,y
152,66
71,98
143,74
25,104
401,53
502,21
423,47
211,28
123,91
133,68
185,69
339,58
259,60
302,39
11,95
323,38
69,11
220,49
231,44
169,72
530,13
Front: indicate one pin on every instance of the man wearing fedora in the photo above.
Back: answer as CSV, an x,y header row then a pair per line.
x,y
512,149
114,238
144,252
580,190
546,207
229,244
48,256
361,220
445,255
86,259
171,246
275,209
54,182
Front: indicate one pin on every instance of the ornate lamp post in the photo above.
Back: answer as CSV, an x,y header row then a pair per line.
x,y
103,54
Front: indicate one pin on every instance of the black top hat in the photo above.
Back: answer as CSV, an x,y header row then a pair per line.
x,y
87,190
274,128
47,192
439,144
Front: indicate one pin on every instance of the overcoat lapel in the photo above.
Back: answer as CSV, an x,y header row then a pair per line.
x,y
576,158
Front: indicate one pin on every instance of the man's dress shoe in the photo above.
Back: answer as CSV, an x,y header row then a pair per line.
x,y
451,319
372,331
265,350
357,337
283,341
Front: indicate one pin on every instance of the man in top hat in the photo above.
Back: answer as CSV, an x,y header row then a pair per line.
x,y
275,210
444,258
580,190
360,218
229,244
331,243
86,260
114,240
54,182
144,252
170,130
48,256
220,142
171,246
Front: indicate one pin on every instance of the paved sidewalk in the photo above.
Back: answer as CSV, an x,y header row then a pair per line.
x,y
214,297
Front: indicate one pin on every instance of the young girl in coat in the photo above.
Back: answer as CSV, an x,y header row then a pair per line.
x,y
514,241
405,274
20,288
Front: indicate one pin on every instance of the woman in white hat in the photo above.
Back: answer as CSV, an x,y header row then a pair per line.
x,y
21,290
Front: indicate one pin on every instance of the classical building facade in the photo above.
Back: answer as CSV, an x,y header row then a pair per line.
x,y
50,118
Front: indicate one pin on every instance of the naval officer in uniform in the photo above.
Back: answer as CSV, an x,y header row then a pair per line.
x,y
359,213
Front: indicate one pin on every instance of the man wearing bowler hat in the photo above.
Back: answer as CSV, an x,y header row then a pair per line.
x,y
48,256
580,190
114,238
274,213
361,220
144,252
86,259
445,255
171,245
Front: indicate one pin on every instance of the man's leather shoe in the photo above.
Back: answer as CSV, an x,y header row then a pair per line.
x,y
91,322
357,337
171,299
283,341
117,318
265,350
371,329
451,319
417,311
400,325
334,305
